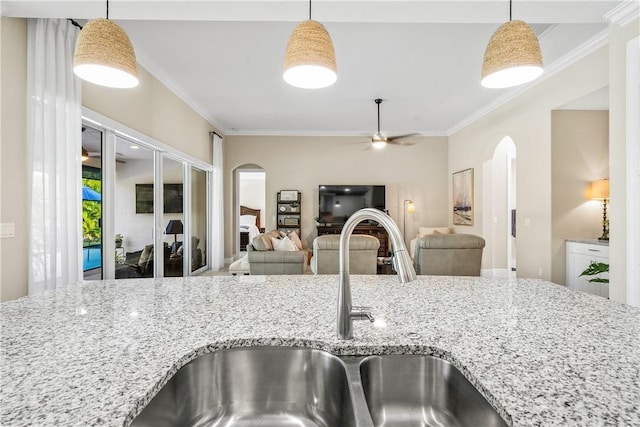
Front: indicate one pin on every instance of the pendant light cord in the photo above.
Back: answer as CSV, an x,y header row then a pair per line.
x,y
108,9
378,118
509,10
310,10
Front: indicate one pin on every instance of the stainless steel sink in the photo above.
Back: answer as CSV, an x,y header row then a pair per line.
x,y
415,390
266,386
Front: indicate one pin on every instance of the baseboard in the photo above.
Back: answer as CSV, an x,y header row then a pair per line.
x,y
494,272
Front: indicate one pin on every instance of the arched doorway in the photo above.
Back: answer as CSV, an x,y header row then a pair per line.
x,y
500,204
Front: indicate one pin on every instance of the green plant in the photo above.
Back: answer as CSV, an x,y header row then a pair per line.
x,y
594,269
119,237
91,214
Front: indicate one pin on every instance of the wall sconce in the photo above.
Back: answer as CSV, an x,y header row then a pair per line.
x,y
410,207
600,191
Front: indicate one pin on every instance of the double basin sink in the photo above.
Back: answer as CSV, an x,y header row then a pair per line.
x,y
301,387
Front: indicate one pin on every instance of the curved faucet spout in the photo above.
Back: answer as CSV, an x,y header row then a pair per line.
x,y
402,264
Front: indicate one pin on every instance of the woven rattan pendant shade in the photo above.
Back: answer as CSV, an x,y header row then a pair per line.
x,y
512,57
104,55
310,61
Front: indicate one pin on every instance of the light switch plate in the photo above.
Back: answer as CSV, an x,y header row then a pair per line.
x,y
7,229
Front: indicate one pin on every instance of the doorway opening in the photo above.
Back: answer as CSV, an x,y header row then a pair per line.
x,y
250,207
503,209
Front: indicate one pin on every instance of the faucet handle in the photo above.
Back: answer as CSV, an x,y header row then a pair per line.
x,y
361,313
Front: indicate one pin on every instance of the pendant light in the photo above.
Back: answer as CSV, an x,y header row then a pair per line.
x,y
310,61
104,55
512,57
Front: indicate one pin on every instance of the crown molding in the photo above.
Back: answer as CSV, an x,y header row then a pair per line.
x,y
586,48
624,13
149,65
363,134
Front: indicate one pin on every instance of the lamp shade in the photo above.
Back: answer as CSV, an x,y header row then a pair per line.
x,y
310,61
512,56
600,189
411,207
104,55
174,227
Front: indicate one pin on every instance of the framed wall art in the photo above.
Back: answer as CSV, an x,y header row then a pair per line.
x,y
463,197
288,195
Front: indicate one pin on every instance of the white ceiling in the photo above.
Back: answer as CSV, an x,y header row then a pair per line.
x,y
422,57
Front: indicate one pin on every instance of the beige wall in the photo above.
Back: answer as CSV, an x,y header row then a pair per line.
x,y
13,154
155,111
618,38
151,109
417,172
527,120
579,155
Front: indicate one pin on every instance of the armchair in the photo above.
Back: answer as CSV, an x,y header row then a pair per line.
x,y
363,254
449,254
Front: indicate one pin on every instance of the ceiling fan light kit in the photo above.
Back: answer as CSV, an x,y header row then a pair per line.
x,y
378,140
512,56
310,60
104,55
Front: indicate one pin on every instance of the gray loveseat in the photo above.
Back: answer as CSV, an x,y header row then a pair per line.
x,y
449,254
263,260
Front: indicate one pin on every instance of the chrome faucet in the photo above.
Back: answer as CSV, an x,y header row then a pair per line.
x,y
401,262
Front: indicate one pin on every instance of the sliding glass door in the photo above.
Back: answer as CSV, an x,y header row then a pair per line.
x,y
134,210
91,203
198,218
146,210
173,219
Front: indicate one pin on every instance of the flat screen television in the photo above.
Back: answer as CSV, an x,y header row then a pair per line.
x,y
338,202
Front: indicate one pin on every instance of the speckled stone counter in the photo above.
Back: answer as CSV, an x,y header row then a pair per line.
x,y
542,354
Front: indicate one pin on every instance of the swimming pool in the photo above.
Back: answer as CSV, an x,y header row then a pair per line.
x,y
91,257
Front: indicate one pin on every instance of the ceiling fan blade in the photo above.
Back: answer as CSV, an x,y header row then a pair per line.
x,y
396,137
405,143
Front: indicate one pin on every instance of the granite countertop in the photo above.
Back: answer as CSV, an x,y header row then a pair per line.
x,y
542,354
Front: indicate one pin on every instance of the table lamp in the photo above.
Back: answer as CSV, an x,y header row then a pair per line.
x,y
600,191
174,227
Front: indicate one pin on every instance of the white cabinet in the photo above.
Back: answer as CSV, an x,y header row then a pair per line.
x,y
579,256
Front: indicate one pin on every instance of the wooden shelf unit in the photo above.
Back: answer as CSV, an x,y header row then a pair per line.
x,y
288,211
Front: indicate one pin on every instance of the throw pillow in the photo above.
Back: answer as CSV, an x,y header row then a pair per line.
x,y
295,239
247,220
423,231
147,254
284,244
262,243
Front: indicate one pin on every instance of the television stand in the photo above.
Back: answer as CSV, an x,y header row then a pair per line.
x,y
373,230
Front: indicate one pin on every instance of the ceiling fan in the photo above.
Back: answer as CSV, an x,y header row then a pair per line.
x,y
380,141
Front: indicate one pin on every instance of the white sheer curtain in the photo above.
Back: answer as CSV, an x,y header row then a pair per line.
x,y
217,211
53,155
